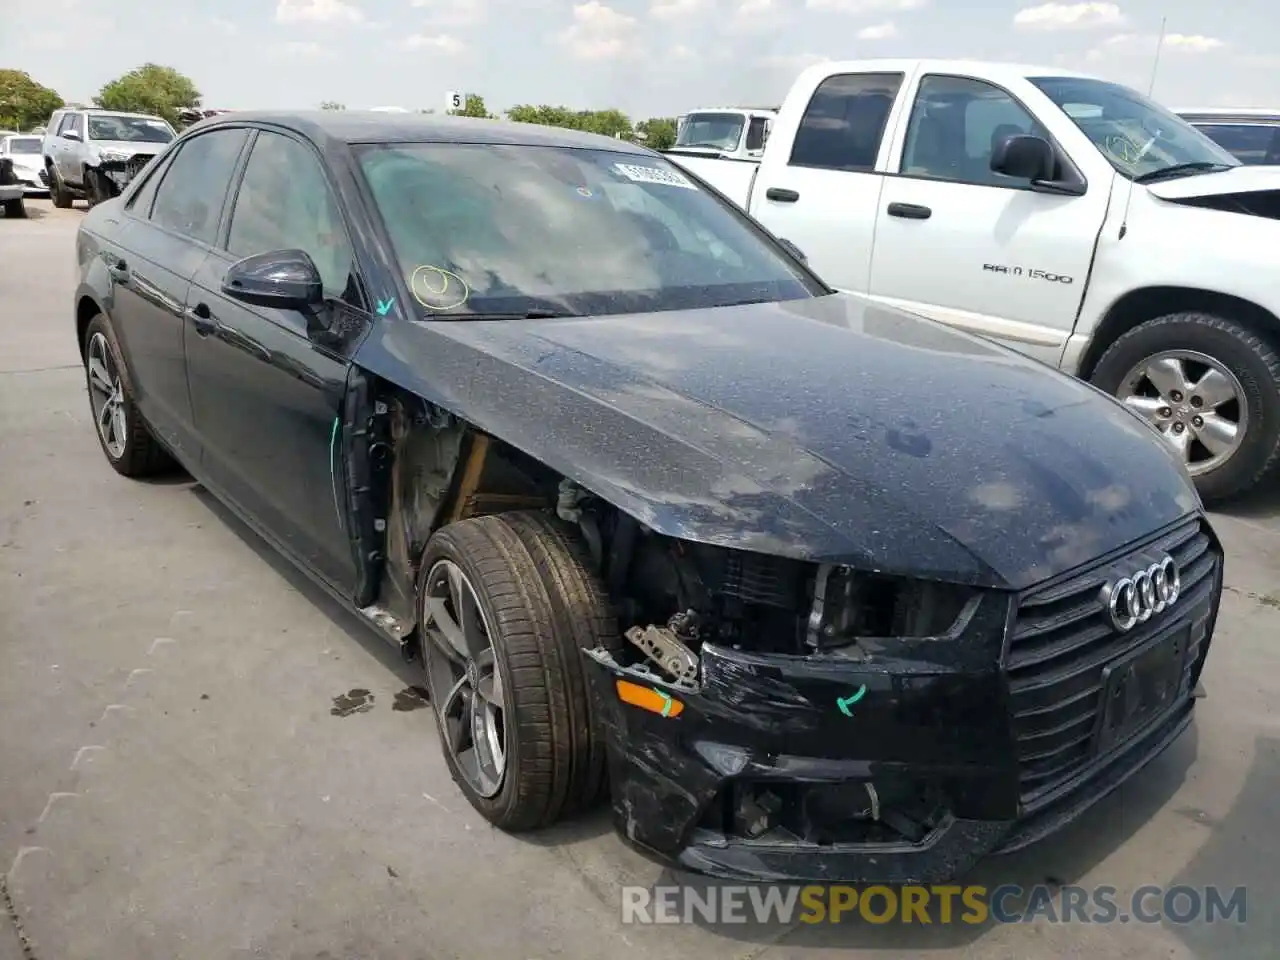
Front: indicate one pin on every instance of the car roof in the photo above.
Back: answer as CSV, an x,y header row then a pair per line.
x,y
1229,113
996,70
372,126
110,113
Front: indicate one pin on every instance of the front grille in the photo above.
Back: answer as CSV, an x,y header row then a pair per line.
x,y
135,164
1062,640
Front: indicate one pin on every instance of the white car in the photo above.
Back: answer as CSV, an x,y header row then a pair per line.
x,y
28,162
1067,216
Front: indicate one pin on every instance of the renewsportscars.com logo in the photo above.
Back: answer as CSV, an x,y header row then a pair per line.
x,y
974,905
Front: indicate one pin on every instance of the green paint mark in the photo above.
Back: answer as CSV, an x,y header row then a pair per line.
x,y
666,706
844,703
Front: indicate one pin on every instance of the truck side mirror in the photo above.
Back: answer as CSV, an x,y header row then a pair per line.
x,y
1024,156
71,135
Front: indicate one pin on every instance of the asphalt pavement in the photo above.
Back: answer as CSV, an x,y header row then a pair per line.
x,y
203,758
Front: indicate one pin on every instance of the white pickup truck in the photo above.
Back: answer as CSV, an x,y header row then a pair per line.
x,y
1069,217
727,133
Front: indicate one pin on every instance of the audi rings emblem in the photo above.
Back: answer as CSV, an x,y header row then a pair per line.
x,y
1140,596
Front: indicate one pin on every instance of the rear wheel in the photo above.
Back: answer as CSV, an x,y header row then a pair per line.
x,y
1211,386
125,438
15,209
505,606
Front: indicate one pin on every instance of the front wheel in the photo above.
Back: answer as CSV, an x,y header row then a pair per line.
x,y
506,604
1211,386
57,190
15,209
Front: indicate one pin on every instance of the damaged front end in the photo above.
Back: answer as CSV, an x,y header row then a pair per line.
x,y
810,722
117,169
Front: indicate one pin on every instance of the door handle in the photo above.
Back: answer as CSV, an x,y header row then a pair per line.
x,y
117,269
781,194
909,211
201,318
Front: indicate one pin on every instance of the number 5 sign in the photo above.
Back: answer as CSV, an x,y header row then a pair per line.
x,y
456,101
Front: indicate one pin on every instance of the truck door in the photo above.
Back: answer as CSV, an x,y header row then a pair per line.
x,y
820,190
979,250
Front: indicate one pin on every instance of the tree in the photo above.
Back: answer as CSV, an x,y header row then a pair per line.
x,y
23,102
474,107
151,88
332,105
658,133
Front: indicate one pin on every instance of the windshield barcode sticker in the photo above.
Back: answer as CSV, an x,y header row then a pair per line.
x,y
638,173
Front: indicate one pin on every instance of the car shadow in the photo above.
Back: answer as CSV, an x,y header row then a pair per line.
x,y
1261,505
1059,860
344,619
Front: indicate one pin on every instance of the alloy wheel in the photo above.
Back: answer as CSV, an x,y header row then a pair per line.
x,y
1195,401
465,677
106,397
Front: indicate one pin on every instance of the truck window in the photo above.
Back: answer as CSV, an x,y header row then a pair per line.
x,y
755,133
955,126
844,122
1251,143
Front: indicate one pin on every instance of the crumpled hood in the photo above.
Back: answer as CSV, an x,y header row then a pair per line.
x,y
830,428
127,146
1242,179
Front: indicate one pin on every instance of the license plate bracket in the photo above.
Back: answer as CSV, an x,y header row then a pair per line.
x,y
1139,687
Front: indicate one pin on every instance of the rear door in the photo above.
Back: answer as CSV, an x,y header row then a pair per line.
x,y
962,244
266,395
817,184
170,224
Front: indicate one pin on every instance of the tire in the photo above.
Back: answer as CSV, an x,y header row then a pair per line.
x,y
129,446
1253,362
540,605
15,209
57,190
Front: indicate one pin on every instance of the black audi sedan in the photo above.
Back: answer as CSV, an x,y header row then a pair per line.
x,y
808,587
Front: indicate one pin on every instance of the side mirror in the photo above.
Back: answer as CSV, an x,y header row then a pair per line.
x,y
283,279
1024,156
793,250
72,135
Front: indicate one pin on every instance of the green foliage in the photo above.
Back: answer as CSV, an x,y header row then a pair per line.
x,y
23,102
332,105
151,88
659,133
474,108
610,123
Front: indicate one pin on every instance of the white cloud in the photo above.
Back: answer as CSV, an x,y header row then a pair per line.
x,y
754,16
878,31
598,32
317,11
1145,44
298,49
453,13
1069,16
865,6
676,9
440,43
793,63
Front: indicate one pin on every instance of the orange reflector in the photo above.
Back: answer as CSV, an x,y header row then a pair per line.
x,y
649,698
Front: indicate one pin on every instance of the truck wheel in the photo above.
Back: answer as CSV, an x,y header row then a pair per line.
x,y
504,606
125,438
15,209
57,190
1211,386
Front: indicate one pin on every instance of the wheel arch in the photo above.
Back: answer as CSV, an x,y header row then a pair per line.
x,y
1148,303
87,308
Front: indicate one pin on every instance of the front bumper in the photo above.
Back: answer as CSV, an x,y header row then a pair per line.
x,y
120,172
971,745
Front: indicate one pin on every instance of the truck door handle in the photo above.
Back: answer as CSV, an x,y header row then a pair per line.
x,y
781,194
202,319
909,211
117,269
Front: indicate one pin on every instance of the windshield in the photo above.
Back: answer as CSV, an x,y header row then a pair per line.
x,y
719,130
485,228
24,144
106,126
1138,137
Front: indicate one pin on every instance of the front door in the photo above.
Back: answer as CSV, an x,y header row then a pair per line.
x,y
267,398
820,190
964,245
169,225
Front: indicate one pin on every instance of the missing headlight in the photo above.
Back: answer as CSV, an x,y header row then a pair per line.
x,y
848,604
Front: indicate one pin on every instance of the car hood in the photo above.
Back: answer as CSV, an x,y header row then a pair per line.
x,y
128,146
825,429
1242,179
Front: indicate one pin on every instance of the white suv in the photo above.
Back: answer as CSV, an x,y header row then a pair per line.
x,y
92,154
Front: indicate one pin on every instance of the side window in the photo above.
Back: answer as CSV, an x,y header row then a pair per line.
x,y
1251,143
77,120
285,203
842,127
956,124
141,199
755,134
68,122
189,197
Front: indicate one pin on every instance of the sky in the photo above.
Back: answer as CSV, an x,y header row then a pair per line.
x,y
646,57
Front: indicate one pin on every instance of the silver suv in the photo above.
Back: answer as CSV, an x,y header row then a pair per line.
x,y
92,154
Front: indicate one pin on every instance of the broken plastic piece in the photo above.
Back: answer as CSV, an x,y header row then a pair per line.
x,y
649,698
